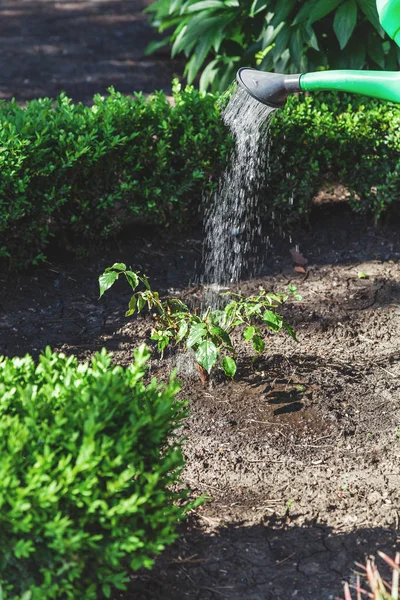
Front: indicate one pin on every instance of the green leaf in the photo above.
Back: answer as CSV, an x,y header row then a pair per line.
x,y
375,49
208,74
106,281
362,275
369,9
258,344
295,293
355,54
205,4
155,46
229,366
296,45
131,306
272,320
220,333
132,279
249,333
183,329
207,355
163,340
290,330
196,333
345,21
145,282
321,9
116,267
141,302
282,11
258,6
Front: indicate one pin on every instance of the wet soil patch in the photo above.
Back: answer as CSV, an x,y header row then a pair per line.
x,y
299,456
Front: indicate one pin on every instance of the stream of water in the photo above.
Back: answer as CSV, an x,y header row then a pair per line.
x,y
234,244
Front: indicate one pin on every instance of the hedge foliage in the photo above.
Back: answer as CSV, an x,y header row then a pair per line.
x,y
334,137
296,36
88,454
76,174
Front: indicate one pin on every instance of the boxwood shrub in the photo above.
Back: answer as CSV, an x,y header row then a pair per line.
x,y
88,454
329,137
77,174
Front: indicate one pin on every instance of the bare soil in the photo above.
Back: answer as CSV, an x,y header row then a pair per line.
x,y
299,456
80,47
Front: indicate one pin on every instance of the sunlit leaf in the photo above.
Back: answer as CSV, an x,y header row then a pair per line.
x,y
207,355
106,281
132,279
182,331
249,333
196,333
131,306
273,320
229,366
116,267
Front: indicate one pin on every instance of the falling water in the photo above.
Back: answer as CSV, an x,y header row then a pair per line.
x,y
234,245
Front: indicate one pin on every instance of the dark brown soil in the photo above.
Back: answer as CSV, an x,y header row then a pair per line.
x,y
81,47
300,455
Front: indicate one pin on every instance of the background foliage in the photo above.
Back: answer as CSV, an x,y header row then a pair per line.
x,y
87,457
78,174
219,36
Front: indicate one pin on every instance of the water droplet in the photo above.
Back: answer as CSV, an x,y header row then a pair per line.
x,y
234,245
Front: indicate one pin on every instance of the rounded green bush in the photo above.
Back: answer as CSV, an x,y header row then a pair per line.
x,y
88,454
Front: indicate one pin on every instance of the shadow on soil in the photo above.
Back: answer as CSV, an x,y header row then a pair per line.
x,y
80,47
272,560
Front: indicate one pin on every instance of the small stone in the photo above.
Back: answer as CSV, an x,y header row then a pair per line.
x,y
373,498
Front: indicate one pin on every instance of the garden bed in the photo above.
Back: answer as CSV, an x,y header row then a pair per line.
x,y
300,455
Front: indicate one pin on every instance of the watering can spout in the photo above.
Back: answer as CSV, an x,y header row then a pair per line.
x,y
269,88
272,89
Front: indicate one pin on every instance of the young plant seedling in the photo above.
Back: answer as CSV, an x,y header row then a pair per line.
x,y
207,334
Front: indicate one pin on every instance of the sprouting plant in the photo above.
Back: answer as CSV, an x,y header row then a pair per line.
x,y
295,293
289,505
379,589
207,334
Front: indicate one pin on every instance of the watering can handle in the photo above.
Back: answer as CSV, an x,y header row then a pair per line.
x,y
389,17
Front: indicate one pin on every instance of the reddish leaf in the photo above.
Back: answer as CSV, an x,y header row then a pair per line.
x,y
297,257
299,269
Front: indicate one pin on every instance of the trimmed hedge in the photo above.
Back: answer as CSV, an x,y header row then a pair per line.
x,y
77,173
334,137
88,454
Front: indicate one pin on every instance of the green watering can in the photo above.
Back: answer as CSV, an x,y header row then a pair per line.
x,y
272,88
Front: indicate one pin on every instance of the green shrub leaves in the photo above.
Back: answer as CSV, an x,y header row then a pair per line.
x,y
78,174
88,454
207,334
219,36
75,174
